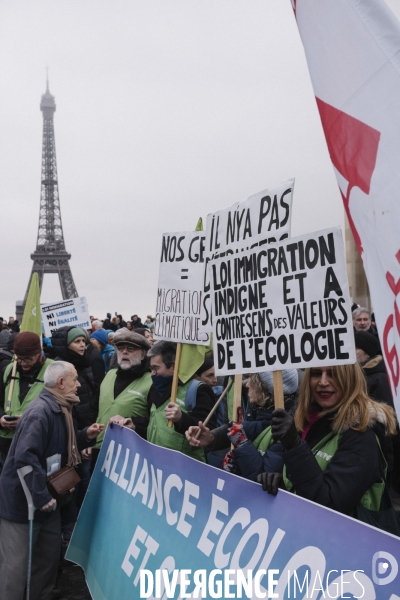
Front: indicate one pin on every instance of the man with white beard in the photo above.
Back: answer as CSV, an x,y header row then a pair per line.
x,y
123,392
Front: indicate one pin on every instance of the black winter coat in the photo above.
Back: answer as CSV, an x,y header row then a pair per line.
x,y
88,392
354,468
5,359
137,324
377,380
249,460
41,432
14,326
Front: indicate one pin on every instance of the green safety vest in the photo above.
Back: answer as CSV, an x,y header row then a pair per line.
x,y
264,440
131,402
160,434
33,392
324,452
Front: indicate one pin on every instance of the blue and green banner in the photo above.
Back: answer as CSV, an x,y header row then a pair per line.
x,y
157,524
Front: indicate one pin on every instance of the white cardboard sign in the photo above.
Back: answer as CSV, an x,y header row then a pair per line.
x,y
282,306
66,312
180,288
263,218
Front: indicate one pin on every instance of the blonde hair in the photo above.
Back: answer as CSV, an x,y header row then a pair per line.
x,y
261,392
355,410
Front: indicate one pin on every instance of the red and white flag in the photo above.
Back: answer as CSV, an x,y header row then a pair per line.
x,y
353,53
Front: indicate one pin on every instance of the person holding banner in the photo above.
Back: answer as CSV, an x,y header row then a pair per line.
x,y
162,364
16,393
124,391
334,446
254,450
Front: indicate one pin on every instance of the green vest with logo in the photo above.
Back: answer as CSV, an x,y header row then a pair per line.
x,y
160,434
324,452
33,392
131,402
264,440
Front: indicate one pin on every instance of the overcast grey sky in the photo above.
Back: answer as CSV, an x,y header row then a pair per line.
x,y
166,110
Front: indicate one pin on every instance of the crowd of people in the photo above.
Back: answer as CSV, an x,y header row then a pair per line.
x,y
334,442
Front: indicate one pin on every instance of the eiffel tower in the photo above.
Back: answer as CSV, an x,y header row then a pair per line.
x,y
50,255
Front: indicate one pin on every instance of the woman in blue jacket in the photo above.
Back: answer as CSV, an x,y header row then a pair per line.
x,y
253,452
254,449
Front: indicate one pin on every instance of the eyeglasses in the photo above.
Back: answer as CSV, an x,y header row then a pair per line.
x,y
28,360
127,347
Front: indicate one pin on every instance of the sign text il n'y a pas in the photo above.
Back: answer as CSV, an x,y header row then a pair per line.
x,y
264,218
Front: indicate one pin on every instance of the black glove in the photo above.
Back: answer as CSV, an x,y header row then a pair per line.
x,y
284,430
270,482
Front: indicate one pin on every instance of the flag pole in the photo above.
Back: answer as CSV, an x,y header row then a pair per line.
x,y
279,400
214,408
11,388
237,398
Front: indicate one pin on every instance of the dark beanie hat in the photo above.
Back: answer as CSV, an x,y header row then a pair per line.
x,y
207,364
10,342
27,343
367,342
74,333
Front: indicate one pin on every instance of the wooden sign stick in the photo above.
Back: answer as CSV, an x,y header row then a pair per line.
x,y
214,408
237,398
175,378
278,390
11,388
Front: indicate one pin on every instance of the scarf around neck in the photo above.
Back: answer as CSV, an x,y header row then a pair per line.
x,y
67,403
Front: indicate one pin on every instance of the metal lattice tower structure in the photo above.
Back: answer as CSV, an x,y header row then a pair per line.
x,y
50,255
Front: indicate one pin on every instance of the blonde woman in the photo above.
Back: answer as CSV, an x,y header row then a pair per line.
x,y
261,393
334,446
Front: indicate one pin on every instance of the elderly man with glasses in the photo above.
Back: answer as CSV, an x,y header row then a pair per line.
x,y
25,386
124,390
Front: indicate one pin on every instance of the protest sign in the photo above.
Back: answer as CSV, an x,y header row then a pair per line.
x,y
180,288
263,218
67,312
150,509
282,306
